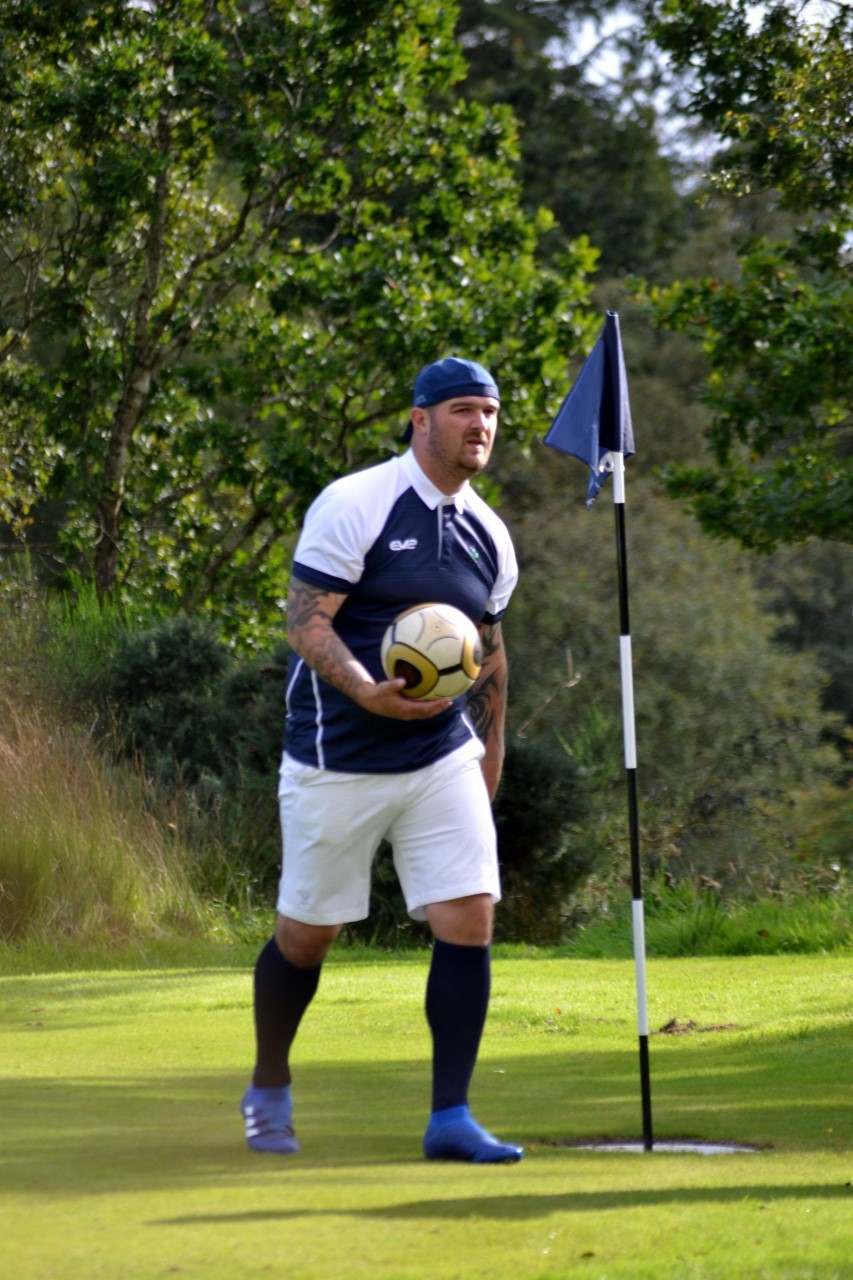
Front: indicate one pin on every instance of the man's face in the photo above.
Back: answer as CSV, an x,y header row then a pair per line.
x,y
460,432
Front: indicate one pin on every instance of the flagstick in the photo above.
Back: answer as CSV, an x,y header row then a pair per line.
x,y
626,667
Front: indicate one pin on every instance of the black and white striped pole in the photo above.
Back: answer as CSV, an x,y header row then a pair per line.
x,y
594,425
626,668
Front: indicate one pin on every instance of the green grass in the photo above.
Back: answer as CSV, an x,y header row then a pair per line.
x,y
123,1153
683,921
82,855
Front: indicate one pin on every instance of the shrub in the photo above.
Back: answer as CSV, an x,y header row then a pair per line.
x,y
82,633
163,683
539,810
208,731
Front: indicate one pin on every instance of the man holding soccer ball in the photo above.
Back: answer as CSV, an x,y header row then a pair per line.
x,y
363,762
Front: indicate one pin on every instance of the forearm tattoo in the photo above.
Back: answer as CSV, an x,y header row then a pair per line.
x,y
310,618
487,700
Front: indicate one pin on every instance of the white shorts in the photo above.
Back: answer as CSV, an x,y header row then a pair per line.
x,y
437,819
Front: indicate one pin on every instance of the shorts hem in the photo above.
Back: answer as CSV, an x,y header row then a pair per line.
x,y
323,922
417,910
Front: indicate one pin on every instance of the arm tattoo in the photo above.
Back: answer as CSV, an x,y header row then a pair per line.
x,y
305,604
485,706
310,630
491,640
487,701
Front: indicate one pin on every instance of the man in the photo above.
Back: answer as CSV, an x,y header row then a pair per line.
x,y
363,763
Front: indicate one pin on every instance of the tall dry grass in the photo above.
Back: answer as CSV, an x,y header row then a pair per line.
x,y
81,855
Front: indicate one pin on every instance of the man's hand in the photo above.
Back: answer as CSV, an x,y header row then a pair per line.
x,y
310,615
385,699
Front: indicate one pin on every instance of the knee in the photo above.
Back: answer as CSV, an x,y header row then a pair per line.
x,y
467,922
304,945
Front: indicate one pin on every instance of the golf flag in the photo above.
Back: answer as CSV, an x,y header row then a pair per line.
x,y
594,421
594,425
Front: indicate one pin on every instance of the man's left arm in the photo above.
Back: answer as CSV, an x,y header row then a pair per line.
x,y
487,704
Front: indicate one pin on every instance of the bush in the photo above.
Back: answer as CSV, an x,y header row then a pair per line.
x,y
822,831
541,805
209,732
164,684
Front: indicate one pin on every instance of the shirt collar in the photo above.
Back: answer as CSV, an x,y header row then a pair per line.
x,y
426,490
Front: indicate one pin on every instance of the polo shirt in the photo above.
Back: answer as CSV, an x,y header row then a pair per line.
x,y
390,540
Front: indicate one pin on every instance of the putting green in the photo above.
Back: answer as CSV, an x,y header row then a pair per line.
x,y
123,1153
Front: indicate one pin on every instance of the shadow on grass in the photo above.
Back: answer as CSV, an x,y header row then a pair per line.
x,y
518,1206
94,1135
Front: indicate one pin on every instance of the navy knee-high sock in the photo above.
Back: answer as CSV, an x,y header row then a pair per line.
x,y
457,999
282,994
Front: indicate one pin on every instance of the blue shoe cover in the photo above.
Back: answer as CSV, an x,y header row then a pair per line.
x,y
453,1135
267,1113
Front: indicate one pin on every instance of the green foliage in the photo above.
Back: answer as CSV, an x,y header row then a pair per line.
x,y
590,153
539,809
809,590
226,260
777,339
729,725
823,832
780,389
82,632
775,85
82,856
208,732
688,921
22,633
163,682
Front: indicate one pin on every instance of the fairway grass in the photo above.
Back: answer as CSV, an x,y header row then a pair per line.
x,y
123,1155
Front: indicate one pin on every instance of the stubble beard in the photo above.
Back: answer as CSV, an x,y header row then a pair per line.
x,y
455,465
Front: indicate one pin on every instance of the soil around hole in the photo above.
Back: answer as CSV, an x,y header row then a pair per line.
x,y
676,1028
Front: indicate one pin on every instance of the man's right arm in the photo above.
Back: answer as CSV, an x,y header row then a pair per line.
x,y
310,631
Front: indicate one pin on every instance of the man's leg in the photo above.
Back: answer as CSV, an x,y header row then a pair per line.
x,y
287,973
457,1000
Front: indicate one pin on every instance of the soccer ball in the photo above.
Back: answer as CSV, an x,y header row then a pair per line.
x,y
435,648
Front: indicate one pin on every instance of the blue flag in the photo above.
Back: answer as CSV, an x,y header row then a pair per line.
x,y
594,420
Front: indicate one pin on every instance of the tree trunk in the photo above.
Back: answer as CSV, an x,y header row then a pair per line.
x,y
107,517
137,388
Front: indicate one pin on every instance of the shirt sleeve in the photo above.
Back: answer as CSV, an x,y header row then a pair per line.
x,y
330,549
504,583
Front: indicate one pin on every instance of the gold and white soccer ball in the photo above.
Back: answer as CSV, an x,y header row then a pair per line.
x,y
435,648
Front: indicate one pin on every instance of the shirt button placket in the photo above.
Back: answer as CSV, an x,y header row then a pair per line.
x,y
446,533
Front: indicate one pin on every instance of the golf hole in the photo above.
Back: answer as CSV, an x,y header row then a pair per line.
x,y
689,1146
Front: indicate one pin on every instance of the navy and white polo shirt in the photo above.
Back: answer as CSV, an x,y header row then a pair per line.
x,y
390,539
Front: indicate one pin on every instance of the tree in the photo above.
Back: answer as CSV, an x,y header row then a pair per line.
x,y
777,87
590,152
810,588
729,726
224,261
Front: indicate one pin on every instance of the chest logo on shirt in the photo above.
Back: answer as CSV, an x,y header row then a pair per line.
x,y
403,544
